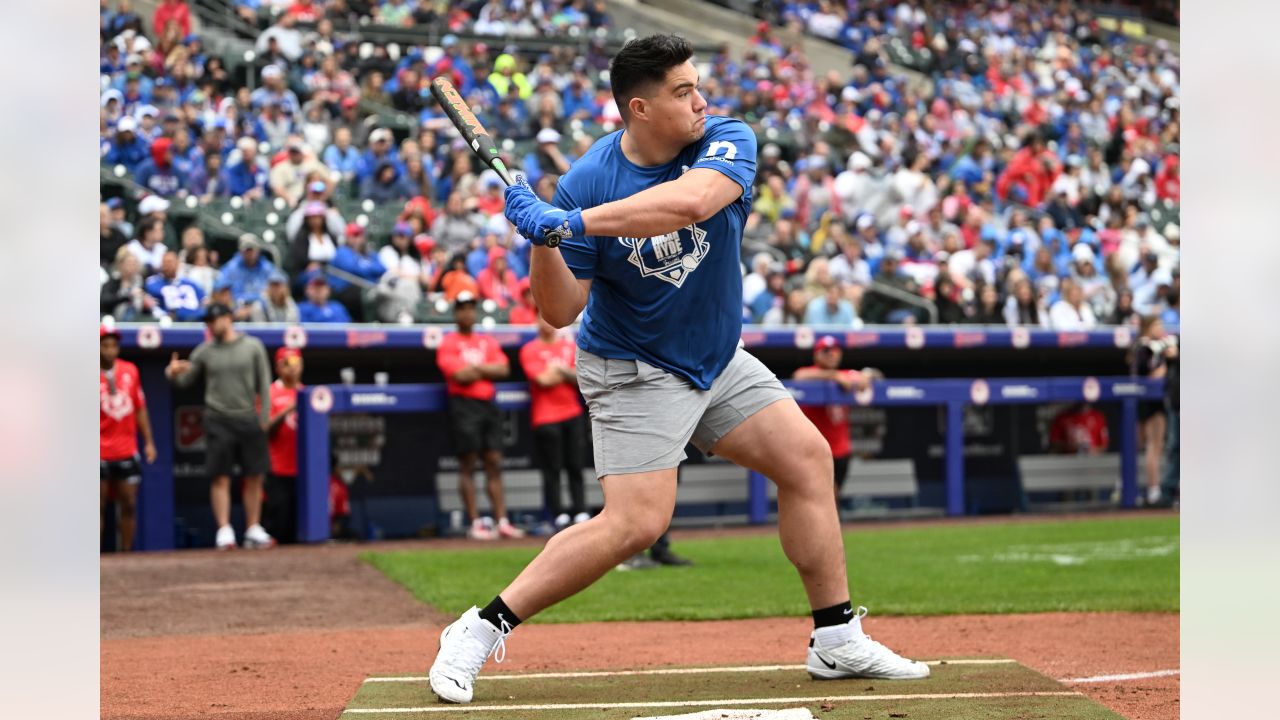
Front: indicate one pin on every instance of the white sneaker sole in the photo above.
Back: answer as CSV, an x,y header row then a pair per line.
x,y
824,671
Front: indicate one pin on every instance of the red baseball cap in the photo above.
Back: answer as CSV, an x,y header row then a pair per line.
x,y
826,342
354,229
285,353
105,330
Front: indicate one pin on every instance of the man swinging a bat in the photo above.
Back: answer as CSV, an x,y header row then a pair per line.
x,y
649,226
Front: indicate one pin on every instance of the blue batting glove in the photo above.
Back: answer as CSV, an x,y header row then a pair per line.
x,y
518,197
540,222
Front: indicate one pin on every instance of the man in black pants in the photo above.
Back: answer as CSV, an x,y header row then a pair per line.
x,y
556,416
237,399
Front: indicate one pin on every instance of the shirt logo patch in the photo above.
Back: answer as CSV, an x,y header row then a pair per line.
x,y
671,257
730,151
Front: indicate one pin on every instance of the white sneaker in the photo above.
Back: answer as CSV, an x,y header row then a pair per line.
x,y
480,530
834,655
563,520
464,646
581,518
226,538
256,538
509,531
1153,495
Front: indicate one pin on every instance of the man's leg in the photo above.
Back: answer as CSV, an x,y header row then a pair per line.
x,y
637,510
780,443
546,449
127,501
1169,481
572,439
104,488
252,497
493,482
467,484
220,499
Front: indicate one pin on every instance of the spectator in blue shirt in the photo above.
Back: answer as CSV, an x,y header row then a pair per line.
x,y
354,257
381,149
127,148
157,174
318,308
179,297
830,309
248,272
342,156
246,178
274,90
387,185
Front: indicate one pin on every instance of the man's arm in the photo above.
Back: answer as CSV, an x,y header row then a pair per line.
x,y
148,440
557,293
183,373
690,198
278,418
262,370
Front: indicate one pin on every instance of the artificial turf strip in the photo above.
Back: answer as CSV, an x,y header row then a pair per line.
x,y
1108,564
748,689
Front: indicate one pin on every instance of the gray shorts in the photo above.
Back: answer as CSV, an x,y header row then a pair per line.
x,y
642,416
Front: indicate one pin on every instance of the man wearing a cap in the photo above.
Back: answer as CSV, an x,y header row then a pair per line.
x,y
341,156
179,297
246,178
123,413
355,258
288,179
496,281
127,148
282,446
276,305
381,149
237,401
317,191
833,420
157,173
318,308
470,363
274,90
248,271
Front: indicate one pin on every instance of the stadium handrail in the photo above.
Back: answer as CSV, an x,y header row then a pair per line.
x,y
903,296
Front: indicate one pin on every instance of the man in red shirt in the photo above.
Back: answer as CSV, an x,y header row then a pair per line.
x,y
122,413
556,416
1080,428
833,420
282,445
470,364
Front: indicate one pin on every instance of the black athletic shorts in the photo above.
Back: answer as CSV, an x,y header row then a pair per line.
x,y
477,424
128,469
231,443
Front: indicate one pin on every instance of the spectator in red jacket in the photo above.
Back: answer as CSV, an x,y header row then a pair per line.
x,y
497,282
524,312
470,364
1168,182
175,10
1030,173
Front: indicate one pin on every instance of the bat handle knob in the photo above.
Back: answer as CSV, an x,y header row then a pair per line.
x,y
551,240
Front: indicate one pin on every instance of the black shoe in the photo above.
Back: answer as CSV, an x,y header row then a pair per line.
x,y
666,557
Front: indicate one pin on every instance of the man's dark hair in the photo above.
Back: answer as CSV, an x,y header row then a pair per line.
x,y
147,225
644,62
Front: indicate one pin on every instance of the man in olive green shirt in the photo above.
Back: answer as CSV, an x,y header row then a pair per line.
x,y
237,402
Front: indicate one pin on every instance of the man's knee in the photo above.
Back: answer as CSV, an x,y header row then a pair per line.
x,y
637,531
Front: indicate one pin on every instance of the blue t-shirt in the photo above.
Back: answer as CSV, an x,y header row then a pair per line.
x,y
674,301
330,312
179,297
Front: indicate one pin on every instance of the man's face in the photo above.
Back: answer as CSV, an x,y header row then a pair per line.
x,y
290,368
220,327
250,255
829,358
465,316
676,109
295,155
169,265
109,349
318,292
277,292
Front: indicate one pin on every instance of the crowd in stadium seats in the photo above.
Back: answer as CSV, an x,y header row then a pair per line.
x,y
1029,177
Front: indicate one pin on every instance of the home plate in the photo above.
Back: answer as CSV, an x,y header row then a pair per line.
x,y
788,714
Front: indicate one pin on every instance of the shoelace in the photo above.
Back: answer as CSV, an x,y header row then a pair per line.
x,y
879,648
500,648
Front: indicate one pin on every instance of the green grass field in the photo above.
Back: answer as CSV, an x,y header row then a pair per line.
x,y
1127,564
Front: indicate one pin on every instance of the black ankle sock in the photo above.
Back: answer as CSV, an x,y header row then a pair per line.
x,y
497,611
834,615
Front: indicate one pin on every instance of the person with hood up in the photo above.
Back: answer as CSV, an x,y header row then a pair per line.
x,y
505,74
387,184
157,173
128,148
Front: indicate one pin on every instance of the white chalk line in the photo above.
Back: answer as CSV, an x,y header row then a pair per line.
x,y
713,703
1122,677
671,671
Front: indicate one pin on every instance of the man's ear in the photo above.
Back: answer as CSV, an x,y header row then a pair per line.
x,y
638,107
